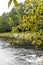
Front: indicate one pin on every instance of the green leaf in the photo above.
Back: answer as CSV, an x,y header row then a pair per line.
x,y
15,2
9,3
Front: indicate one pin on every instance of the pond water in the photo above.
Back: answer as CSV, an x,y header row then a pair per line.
x,y
19,56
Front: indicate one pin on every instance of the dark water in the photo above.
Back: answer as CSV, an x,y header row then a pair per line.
x,y
19,56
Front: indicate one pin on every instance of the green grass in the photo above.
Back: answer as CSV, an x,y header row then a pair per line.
x,y
5,34
9,34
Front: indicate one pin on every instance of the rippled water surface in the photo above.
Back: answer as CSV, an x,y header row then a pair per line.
x,y
19,56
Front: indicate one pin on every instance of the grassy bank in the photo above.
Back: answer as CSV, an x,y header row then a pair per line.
x,y
4,35
9,34
26,40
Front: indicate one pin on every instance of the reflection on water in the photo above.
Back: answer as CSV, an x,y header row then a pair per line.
x,y
19,56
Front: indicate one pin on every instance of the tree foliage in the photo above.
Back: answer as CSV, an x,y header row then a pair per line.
x,y
27,16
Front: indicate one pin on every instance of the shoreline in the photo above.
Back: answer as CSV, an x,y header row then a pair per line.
x,y
23,40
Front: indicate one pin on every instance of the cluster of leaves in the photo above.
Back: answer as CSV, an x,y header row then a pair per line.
x,y
32,16
32,20
15,2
